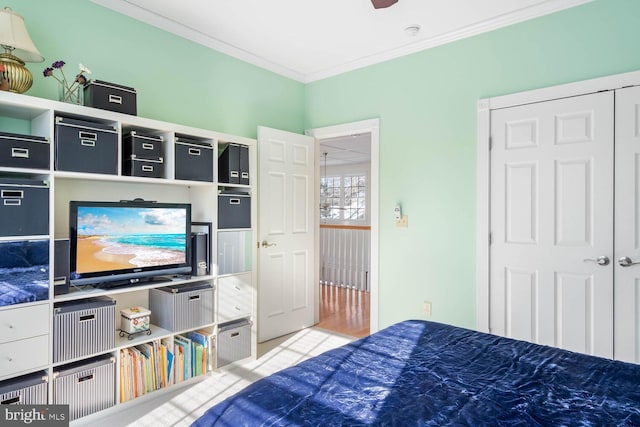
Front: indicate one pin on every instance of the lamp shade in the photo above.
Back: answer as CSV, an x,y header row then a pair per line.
x,y
14,35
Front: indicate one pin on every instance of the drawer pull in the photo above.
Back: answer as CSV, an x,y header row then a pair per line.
x,y
87,317
194,297
194,151
237,287
235,334
10,326
9,359
234,174
147,168
245,175
10,401
12,202
115,99
87,135
21,153
88,142
12,194
234,201
85,378
237,308
147,146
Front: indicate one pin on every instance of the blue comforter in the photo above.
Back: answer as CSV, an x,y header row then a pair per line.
x,y
418,373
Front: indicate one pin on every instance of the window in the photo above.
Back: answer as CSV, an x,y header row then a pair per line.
x,y
343,198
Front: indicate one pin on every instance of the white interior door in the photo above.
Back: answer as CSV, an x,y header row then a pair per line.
x,y
627,226
287,265
551,266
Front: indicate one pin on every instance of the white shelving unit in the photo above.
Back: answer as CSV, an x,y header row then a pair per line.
x,y
26,330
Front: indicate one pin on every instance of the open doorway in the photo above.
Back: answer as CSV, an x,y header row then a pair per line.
x,y
348,216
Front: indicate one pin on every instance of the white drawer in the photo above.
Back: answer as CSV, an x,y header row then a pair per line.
x,y
234,297
23,355
25,322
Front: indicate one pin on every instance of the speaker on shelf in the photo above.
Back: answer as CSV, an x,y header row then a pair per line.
x,y
199,254
60,266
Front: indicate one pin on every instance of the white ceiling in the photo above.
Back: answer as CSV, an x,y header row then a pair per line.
x,y
308,40
346,150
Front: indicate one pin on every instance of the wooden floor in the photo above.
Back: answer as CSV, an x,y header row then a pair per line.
x,y
344,310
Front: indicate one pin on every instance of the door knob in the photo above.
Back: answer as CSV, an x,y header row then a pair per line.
x,y
266,244
625,261
601,260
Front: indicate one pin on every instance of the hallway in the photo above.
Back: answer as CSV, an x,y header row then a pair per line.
x,y
344,310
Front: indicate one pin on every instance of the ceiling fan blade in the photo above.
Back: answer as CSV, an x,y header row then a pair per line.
x,y
380,4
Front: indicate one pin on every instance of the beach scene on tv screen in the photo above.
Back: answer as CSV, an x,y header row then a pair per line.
x,y
118,238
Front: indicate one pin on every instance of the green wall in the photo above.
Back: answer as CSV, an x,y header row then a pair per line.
x,y
426,103
176,80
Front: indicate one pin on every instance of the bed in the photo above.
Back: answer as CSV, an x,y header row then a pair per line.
x,y
419,373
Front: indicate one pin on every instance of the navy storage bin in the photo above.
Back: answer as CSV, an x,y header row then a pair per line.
x,y
111,96
143,167
83,146
24,207
194,160
234,210
24,151
136,145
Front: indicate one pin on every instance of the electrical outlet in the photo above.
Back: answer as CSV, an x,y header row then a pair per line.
x,y
427,308
402,222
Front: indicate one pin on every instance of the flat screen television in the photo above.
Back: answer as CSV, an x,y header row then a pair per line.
x,y
123,243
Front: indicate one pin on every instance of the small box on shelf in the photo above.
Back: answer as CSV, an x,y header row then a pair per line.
x,y
23,151
135,320
110,96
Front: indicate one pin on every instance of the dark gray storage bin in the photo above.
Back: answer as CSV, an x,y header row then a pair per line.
x,y
87,386
234,342
135,145
194,160
24,207
83,327
83,146
111,96
23,151
25,390
182,307
143,167
234,210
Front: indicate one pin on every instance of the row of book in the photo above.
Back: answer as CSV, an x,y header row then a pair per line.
x,y
157,364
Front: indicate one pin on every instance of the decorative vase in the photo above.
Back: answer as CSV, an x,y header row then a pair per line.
x,y
72,95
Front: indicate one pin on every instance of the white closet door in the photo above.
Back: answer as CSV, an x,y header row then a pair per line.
x,y
552,209
627,226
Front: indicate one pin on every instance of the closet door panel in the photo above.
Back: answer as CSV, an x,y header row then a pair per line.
x,y
551,218
627,226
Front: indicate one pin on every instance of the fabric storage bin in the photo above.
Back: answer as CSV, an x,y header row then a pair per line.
x,y
83,327
194,160
135,145
111,96
234,342
87,386
182,307
23,151
83,146
25,390
143,167
24,207
234,210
